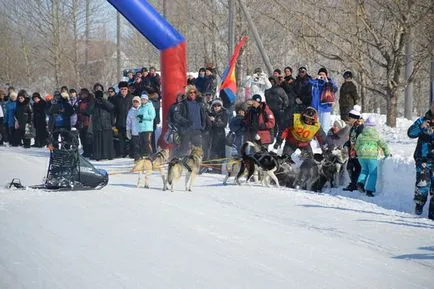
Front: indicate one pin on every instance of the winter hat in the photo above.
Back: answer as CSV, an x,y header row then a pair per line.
x,y
339,124
22,93
144,96
257,98
323,69
216,102
370,121
36,94
258,70
278,71
123,84
302,68
355,112
347,74
136,98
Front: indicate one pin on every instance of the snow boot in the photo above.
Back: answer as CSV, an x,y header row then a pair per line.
x,y
361,187
370,193
350,188
418,209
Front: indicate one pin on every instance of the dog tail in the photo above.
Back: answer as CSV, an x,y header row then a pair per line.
x,y
172,163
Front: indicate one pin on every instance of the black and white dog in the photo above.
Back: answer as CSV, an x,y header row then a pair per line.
x,y
262,161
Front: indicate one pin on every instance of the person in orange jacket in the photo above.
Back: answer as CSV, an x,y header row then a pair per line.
x,y
304,129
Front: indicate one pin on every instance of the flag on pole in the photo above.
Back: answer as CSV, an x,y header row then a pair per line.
x,y
228,87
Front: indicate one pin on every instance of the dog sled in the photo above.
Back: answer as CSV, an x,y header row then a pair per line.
x,y
67,169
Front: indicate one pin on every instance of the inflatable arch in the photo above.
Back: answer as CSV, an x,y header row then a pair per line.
x,y
165,38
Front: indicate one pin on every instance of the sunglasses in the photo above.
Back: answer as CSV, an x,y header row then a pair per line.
x,y
110,91
193,92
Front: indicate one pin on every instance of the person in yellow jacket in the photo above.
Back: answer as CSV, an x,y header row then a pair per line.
x,y
304,129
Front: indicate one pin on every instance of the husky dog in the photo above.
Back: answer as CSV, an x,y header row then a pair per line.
x,y
233,166
330,167
287,173
155,162
191,163
308,175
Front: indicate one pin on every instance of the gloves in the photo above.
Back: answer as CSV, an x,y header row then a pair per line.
x,y
298,101
129,134
140,117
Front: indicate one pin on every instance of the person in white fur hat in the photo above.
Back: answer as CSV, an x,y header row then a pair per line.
x,y
338,135
355,121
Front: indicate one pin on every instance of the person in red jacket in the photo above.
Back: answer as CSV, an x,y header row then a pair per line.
x,y
304,129
259,121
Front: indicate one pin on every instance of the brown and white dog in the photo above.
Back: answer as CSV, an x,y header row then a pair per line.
x,y
191,163
154,163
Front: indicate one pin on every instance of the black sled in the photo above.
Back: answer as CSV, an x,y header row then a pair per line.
x,y
67,169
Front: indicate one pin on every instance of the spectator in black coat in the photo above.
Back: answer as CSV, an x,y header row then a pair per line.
x,y
277,100
217,122
59,111
23,117
236,126
102,133
123,102
302,90
190,118
39,120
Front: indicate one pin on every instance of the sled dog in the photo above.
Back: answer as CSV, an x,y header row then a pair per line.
x,y
190,163
147,165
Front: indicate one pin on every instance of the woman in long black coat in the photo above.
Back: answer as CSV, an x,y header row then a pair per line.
x,y
39,120
23,116
217,121
102,133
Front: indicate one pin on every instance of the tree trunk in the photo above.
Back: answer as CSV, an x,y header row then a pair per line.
x,y
408,112
392,107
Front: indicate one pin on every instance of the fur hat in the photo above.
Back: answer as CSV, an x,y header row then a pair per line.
x,y
355,112
370,121
136,98
347,74
123,84
323,69
257,98
217,101
339,124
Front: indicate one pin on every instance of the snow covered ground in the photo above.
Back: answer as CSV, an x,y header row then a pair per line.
x,y
216,236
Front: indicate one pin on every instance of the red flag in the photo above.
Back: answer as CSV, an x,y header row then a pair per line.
x,y
229,82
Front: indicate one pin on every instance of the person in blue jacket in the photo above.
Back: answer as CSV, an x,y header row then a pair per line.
x,y
146,116
423,130
324,108
9,119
